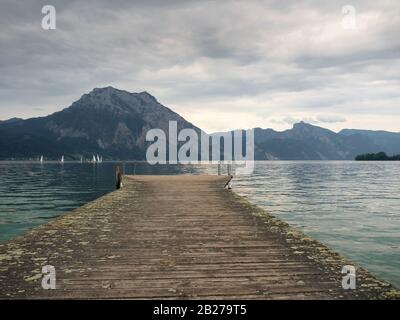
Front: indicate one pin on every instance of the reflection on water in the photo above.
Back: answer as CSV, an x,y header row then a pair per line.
x,y
354,207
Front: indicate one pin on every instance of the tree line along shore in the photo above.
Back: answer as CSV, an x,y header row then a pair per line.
x,y
380,156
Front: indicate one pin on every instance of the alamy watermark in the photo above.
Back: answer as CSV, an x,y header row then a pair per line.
x,y
49,20
49,277
191,147
349,18
349,280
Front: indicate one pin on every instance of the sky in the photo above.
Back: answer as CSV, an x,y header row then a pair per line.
x,y
220,64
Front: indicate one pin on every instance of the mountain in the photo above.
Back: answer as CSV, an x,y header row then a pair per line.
x,y
308,142
388,142
114,123
106,121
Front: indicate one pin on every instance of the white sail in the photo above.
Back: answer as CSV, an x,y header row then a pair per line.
x,y
62,159
94,159
41,159
98,159
81,159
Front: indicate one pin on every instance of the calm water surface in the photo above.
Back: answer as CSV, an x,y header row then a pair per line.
x,y
354,207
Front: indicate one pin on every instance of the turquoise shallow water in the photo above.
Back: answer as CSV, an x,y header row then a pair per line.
x,y
354,207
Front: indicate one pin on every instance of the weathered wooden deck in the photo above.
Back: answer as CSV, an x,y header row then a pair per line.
x,y
176,237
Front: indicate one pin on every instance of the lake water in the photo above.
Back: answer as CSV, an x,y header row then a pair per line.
x,y
354,207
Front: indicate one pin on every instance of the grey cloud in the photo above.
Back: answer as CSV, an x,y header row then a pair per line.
x,y
327,118
275,56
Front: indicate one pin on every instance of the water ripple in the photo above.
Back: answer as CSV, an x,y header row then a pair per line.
x,y
352,206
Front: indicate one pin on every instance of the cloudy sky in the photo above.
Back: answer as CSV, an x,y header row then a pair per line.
x,y
220,64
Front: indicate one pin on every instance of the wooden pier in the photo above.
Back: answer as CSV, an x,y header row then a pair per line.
x,y
175,237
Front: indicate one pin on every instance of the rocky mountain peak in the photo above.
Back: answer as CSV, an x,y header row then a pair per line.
x,y
305,129
112,99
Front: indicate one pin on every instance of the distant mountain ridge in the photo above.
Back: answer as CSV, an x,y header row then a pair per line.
x,y
389,142
308,142
114,123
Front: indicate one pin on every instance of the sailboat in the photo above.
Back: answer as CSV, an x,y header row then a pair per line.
x,y
98,159
94,159
41,159
81,159
62,159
